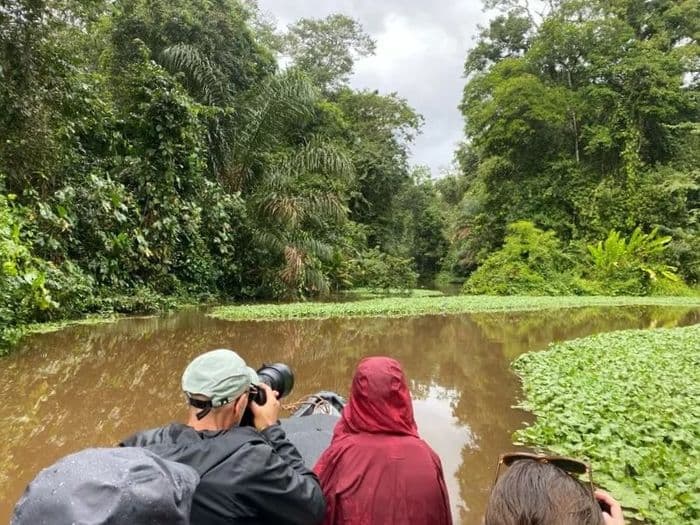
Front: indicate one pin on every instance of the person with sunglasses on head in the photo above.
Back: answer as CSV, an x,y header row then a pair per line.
x,y
542,490
377,470
248,474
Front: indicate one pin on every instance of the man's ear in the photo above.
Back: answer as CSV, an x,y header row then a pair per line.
x,y
241,403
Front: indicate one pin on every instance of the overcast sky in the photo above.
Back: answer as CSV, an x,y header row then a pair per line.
x,y
421,47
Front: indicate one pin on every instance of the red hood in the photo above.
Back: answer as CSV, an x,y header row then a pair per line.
x,y
377,469
380,401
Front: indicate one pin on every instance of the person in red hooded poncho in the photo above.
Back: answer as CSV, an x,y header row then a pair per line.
x,y
376,469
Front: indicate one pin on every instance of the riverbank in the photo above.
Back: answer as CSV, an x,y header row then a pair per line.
x,y
628,402
409,306
12,337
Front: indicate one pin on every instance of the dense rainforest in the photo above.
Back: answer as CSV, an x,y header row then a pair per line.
x,y
580,171
154,151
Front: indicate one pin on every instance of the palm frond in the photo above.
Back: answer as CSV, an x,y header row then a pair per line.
x,y
311,245
315,280
320,249
321,157
269,240
327,204
202,76
276,179
284,209
294,266
270,110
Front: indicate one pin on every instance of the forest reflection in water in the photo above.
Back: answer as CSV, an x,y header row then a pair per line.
x,y
93,385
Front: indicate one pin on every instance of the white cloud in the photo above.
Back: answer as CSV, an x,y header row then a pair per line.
x,y
421,47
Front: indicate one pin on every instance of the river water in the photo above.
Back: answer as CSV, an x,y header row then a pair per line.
x,y
93,385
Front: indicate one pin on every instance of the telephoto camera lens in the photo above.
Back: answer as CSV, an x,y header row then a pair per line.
x,y
278,377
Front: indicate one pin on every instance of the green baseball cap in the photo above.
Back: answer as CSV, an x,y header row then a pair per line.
x,y
221,375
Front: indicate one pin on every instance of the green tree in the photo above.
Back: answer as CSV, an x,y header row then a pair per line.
x,y
291,182
211,48
378,132
506,36
326,49
574,115
35,77
216,31
422,224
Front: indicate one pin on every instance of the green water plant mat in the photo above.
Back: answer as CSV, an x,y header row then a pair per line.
x,y
401,306
629,402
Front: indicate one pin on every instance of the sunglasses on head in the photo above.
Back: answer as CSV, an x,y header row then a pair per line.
x,y
571,466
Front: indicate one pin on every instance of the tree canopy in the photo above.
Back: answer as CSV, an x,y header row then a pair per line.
x,y
326,49
583,119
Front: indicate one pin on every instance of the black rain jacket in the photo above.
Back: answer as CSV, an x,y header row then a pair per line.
x,y
246,476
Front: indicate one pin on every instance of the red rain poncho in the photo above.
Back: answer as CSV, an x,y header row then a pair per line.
x,y
376,469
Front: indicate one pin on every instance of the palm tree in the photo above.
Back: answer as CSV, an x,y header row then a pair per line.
x,y
296,204
293,186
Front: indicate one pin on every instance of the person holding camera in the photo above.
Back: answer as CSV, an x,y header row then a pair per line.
x,y
248,474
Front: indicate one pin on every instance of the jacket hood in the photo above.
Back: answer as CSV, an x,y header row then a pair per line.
x,y
380,401
109,486
377,469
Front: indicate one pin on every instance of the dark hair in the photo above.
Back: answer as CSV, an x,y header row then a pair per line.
x,y
534,493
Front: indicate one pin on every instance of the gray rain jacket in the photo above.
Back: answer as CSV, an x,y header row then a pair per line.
x,y
246,476
109,486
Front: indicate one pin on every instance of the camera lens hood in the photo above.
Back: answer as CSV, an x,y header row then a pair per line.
x,y
277,376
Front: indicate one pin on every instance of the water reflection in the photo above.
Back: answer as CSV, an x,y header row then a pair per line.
x,y
90,386
447,436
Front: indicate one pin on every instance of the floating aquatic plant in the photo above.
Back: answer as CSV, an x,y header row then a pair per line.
x,y
405,306
628,401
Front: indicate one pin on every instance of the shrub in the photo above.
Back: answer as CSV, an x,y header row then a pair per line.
x,y
23,290
683,252
72,289
139,300
376,269
634,266
531,262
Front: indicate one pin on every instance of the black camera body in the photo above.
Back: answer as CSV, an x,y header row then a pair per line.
x,y
279,377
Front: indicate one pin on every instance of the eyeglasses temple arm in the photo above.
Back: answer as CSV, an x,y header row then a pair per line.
x,y
590,481
498,469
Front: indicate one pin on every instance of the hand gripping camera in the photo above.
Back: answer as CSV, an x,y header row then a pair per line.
x,y
278,377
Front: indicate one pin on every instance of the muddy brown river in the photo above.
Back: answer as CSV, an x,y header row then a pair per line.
x,y
93,385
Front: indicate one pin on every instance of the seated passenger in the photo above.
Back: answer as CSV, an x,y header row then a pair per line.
x,y
541,490
109,486
249,474
376,469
